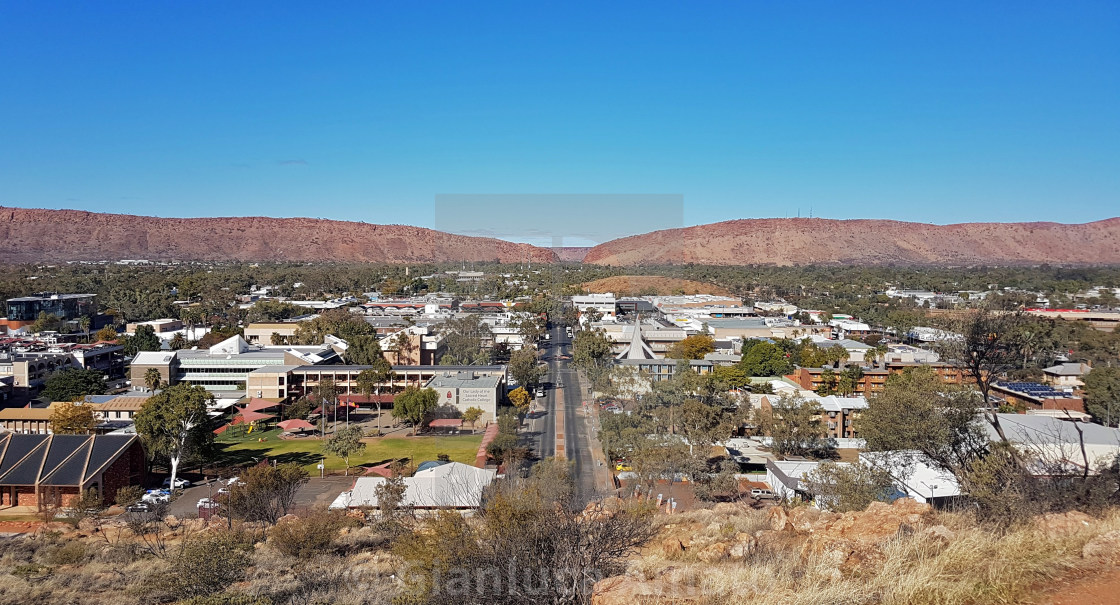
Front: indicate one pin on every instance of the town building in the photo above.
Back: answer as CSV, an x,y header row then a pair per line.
x,y
28,362
869,384
54,470
450,486
414,345
464,389
23,311
1066,375
1023,396
603,304
224,368
26,421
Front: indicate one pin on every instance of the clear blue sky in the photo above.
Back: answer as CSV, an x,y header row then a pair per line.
x,y
366,111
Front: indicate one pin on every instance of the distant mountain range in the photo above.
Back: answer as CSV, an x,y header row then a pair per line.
x,y
33,235
802,241
28,235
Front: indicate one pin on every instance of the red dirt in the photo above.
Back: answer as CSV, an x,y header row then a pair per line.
x,y
18,527
1097,588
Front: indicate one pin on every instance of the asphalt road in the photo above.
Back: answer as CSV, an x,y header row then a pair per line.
x,y
556,428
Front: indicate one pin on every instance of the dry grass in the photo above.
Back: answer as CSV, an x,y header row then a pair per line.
x,y
980,565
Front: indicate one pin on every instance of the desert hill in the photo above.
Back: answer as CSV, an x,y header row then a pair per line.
x,y
872,242
642,285
33,235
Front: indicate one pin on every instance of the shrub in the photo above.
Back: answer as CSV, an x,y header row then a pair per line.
x,y
129,494
206,564
68,553
308,535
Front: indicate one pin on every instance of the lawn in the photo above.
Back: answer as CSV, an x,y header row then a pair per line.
x,y
239,450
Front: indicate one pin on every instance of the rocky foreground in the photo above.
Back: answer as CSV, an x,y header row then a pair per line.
x,y
900,553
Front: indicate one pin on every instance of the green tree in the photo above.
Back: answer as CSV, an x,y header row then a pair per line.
x,y
345,442
70,383
178,342
850,380
298,409
1102,394
265,493
918,412
364,351
370,381
733,377
523,367
402,347
702,425
72,418
144,339
761,358
84,324
591,352
986,350
270,310
46,322
848,487
829,383
152,378
413,404
339,323
795,427
472,415
173,423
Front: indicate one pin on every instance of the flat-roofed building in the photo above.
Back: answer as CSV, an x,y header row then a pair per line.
x,y
26,421
465,389
262,332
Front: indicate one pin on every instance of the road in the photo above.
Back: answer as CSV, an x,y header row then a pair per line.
x,y
560,426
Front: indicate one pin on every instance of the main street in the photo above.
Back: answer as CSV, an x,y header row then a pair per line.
x,y
561,426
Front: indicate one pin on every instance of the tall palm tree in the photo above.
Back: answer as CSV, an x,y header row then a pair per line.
x,y
152,378
83,323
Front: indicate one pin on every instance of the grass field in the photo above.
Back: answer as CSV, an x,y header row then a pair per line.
x,y
239,450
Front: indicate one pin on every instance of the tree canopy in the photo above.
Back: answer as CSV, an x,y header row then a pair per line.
x,y
72,383
413,404
72,418
173,423
1102,394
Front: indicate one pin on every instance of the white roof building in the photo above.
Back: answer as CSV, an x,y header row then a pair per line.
x,y
449,486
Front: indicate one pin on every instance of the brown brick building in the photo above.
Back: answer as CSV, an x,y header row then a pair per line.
x,y
36,470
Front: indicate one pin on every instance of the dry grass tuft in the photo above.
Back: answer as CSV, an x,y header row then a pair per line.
x,y
979,565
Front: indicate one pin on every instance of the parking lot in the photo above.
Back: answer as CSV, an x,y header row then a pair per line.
x,y
316,492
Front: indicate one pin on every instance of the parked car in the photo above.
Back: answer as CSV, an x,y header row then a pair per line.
x,y
623,466
540,392
762,494
156,495
139,507
180,483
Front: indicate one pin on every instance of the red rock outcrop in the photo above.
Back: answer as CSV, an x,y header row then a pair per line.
x,y
805,241
31,235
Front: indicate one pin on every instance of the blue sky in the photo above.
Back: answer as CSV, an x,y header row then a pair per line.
x,y
946,112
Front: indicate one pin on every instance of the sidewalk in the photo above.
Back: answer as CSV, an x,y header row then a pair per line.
x,y
604,476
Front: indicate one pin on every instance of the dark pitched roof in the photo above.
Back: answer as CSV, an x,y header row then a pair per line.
x,y
58,459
